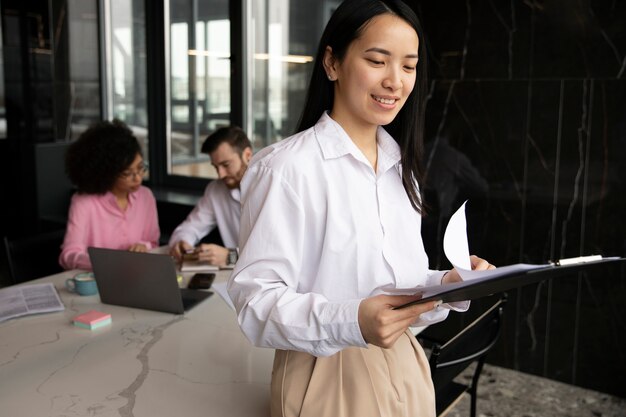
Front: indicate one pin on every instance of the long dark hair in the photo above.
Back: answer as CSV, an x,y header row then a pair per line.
x,y
345,25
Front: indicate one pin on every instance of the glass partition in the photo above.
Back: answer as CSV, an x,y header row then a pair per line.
x,y
125,66
283,37
3,114
280,39
199,80
78,98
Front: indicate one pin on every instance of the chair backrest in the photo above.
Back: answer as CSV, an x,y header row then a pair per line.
x,y
54,189
449,359
34,256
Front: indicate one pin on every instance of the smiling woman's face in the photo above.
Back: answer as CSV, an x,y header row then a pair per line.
x,y
377,74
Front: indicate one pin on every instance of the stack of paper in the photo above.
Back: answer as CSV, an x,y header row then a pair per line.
x,y
92,320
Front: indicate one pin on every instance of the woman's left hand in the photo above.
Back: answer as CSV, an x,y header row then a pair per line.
x,y
478,264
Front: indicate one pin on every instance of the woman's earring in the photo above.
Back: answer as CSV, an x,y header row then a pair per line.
x,y
330,78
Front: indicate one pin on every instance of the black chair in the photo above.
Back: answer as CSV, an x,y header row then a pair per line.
x,y
33,256
450,358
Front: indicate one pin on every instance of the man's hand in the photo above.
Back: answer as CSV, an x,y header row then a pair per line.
x,y
213,254
179,249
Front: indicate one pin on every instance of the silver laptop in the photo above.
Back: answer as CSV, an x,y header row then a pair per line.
x,y
141,280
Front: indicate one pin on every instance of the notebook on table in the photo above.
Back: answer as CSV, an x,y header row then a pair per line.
x,y
189,265
141,280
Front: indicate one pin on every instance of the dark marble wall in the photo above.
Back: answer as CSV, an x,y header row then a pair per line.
x,y
527,119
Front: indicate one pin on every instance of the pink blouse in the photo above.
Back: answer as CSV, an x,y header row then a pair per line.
x,y
96,220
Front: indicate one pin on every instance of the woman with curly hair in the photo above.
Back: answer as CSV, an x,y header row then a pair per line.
x,y
111,208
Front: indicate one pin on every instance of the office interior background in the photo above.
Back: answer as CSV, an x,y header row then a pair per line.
x,y
526,119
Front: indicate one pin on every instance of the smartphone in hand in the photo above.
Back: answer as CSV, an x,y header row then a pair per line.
x,y
191,255
201,281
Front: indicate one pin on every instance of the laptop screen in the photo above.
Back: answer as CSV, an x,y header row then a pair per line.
x,y
139,280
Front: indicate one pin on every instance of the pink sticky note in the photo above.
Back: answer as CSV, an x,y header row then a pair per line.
x,y
91,317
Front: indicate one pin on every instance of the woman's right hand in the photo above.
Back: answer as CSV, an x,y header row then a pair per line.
x,y
138,247
381,325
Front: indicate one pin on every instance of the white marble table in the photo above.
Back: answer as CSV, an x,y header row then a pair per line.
x,y
145,363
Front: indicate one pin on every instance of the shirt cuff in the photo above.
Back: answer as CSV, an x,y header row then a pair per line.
x,y
460,306
342,320
435,278
148,245
189,239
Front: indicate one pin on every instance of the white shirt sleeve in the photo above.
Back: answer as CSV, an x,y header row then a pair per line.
x,y
264,284
198,223
439,313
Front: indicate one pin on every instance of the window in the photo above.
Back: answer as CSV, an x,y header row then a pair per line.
x,y
3,118
125,66
78,103
199,80
283,38
278,39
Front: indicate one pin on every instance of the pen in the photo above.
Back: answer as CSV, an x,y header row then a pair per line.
x,y
579,259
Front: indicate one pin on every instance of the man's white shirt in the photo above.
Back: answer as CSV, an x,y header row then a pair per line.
x,y
219,206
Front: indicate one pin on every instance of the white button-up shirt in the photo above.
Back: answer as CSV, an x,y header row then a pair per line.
x,y
219,206
320,231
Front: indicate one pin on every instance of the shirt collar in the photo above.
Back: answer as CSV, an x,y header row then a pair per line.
x,y
335,142
388,150
110,198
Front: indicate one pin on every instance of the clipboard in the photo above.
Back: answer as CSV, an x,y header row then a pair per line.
x,y
513,276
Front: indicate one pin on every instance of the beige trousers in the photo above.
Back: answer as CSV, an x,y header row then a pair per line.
x,y
355,382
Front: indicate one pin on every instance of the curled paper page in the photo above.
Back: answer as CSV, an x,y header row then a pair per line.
x,y
456,248
455,241
477,284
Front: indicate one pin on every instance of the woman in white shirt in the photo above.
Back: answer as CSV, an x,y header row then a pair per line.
x,y
330,230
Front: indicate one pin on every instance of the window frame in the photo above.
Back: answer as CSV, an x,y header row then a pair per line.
x,y
157,80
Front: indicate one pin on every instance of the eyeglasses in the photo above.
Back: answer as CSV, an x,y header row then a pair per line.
x,y
131,174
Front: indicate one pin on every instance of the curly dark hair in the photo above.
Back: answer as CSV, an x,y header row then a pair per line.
x,y
97,158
